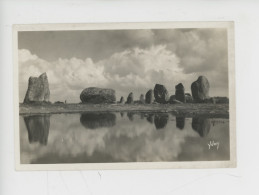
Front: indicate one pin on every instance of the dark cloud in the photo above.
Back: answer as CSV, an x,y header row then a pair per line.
x,y
95,44
200,50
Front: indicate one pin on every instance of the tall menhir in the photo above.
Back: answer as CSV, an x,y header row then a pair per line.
x,y
38,89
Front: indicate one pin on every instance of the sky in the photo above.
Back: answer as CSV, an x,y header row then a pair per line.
x,y
124,60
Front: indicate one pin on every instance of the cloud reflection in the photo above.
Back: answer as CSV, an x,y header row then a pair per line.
x,y
118,139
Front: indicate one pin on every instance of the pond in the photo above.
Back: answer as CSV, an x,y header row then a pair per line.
x,y
100,137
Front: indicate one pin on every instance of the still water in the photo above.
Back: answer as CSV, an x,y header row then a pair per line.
x,y
121,137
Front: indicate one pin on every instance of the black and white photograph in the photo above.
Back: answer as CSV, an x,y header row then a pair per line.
x,y
129,97
158,95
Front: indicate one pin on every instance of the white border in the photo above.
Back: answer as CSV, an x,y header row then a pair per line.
x,y
136,165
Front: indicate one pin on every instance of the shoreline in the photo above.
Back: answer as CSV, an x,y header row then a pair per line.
x,y
187,110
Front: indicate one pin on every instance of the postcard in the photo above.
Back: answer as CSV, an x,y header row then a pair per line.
x,y
124,96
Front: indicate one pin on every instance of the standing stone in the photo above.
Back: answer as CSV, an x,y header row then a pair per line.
x,y
38,89
141,99
221,100
122,100
188,98
150,96
179,93
200,89
210,100
161,94
172,100
130,99
96,95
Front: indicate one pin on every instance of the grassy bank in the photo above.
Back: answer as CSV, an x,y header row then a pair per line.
x,y
189,110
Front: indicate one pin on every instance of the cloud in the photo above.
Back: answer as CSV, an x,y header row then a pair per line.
x,y
127,61
142,143
94,44
67,77
134,70
201,52
199,49
126,141
138,69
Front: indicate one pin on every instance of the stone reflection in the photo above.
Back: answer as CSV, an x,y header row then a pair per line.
x,y
160,120
180,122
130,116
142,115
38,128
201,125
97,120
150,118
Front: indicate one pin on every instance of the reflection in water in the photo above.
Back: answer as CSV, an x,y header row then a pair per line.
x,y
150,118
130,116
122,140
201,125
142,115
38,128
98,120
161,120
180,121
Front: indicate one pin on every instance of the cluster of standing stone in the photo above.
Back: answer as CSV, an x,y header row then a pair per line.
x,y
199,89
38,91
